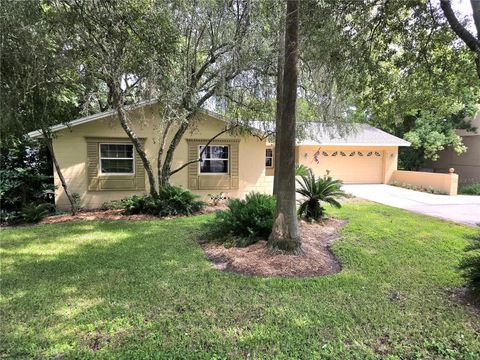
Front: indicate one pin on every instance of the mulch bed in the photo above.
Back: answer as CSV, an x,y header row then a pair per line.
x,y
258,260
115,214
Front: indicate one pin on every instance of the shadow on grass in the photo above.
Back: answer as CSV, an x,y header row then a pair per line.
x,y
78,274
123,288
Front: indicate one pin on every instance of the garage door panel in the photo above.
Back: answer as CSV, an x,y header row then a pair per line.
x,y
351,166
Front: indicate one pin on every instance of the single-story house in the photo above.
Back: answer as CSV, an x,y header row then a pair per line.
x,y
100,163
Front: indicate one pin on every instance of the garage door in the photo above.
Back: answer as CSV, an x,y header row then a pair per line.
x,y
352,166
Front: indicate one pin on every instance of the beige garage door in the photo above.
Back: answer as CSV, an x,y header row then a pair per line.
x,y
360,166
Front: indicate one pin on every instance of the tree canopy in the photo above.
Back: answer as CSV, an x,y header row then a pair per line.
x,y
397,65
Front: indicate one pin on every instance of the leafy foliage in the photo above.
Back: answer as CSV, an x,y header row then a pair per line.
x,y
428,189
244,222
171,201
315,190
217,198
112,205
301,170
22,179
471,265
473,189
33,213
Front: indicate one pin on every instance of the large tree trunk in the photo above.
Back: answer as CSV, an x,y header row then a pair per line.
x,y
122,117
279,96
472,42
161,149
164,175
284,234
48,141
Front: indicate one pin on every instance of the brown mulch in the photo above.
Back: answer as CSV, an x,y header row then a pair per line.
x,y
115,214
258,260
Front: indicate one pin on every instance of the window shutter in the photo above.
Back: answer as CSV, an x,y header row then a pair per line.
x,y
213,182
97,182
234,157
193,168
92,165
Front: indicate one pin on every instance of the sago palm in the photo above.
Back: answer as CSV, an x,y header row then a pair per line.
x,y
315,191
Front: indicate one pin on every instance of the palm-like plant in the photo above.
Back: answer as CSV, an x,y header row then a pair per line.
x,y
315,191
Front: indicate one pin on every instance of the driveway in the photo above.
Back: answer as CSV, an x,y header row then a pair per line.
x,y
463,209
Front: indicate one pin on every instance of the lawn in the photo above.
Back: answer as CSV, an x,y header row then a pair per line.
x,y
118,289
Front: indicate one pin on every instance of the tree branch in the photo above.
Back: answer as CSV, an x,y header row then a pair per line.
x,y
203,150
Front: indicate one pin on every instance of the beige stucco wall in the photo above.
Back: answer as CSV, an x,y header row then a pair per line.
x,y
357,169
71,151
446,183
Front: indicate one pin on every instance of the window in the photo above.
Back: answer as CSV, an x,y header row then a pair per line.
x,y
214,159
269,157
116,159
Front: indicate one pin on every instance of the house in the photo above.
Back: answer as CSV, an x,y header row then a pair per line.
x,y
360,154
100,163
467,164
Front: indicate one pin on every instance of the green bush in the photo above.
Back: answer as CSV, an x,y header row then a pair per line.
x,y
244,222
314,192
471,265
171,201
473,189
112,205
25,177
33,213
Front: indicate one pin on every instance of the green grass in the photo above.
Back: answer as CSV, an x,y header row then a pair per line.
x,y
119,289
473,189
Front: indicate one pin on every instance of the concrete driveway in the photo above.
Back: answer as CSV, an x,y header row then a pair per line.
x,y
463,209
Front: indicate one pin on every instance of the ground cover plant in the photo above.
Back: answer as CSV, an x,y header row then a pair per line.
x,y
473,189
315,191
429,189
471,265
244,222
171,201
130,289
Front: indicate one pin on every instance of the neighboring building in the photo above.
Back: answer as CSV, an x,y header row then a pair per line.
x,y
466,165
100,164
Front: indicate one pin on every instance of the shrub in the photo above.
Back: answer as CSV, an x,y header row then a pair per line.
x,y
112,205
427,189
302,170
473,189
172,200
315,191
76,202
217,198
33,213
245,221
471,265
24,166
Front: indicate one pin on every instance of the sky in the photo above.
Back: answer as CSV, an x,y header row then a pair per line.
x,y
462,6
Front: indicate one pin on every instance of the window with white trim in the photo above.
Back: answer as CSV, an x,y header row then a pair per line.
x,y
116,159
214,159
269,157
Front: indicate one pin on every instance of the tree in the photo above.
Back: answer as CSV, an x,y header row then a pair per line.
x,y
38,87
220,43
125,45
285,234
279,103
472,41
410,76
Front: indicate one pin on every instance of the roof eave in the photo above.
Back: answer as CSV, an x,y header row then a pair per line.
x,y
36,134
406,144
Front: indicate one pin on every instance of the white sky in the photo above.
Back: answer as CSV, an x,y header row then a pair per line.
x,y
463,7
